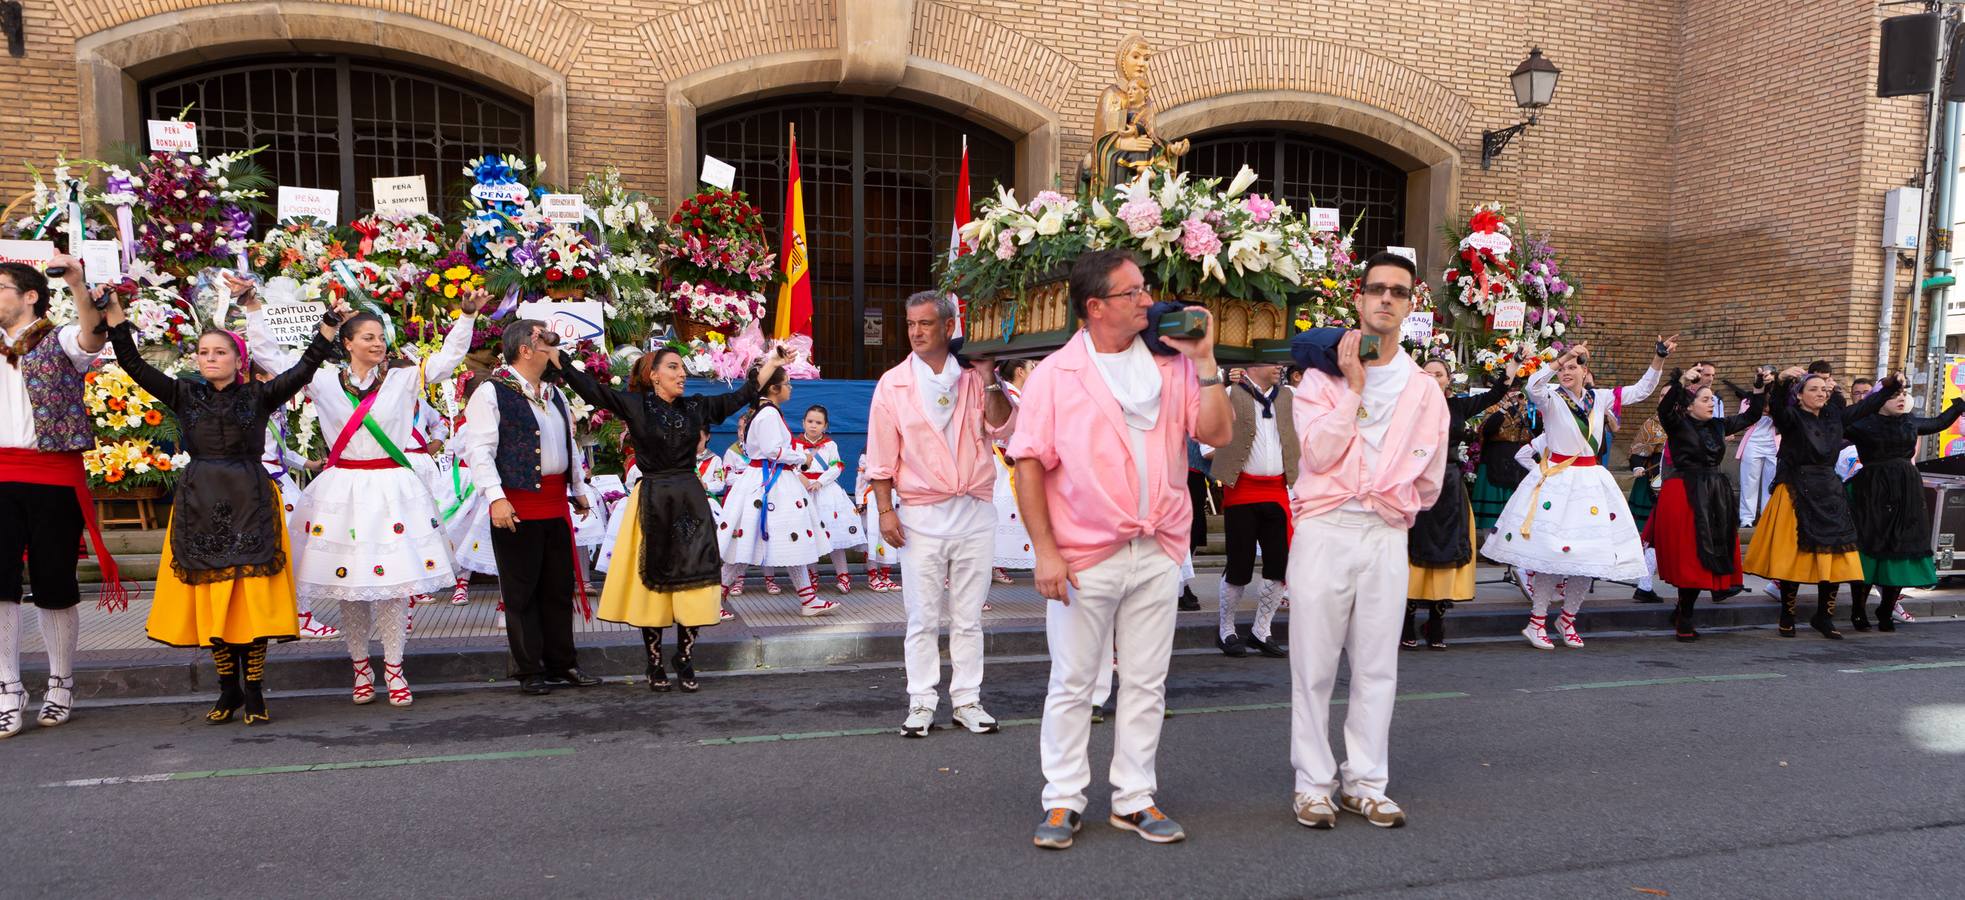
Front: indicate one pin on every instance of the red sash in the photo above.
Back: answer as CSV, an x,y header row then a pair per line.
x,y
546,503
1260,489
383,463
65,470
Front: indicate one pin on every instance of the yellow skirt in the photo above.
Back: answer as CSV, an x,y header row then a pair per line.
x,y
624,599
239,611
1774,553
1442,583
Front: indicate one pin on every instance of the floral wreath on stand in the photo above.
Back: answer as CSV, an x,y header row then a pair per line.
x,y
1493,273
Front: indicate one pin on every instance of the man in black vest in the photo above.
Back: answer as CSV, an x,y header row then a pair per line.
x,y
518,437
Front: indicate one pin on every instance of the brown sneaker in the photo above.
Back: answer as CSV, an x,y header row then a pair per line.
x,y
1315,811
1379,811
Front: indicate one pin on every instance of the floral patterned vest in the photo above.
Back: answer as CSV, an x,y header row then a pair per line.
x,y
61,422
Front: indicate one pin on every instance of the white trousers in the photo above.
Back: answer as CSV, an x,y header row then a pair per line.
x,y
1347,582
1128,599
1756,483
963,564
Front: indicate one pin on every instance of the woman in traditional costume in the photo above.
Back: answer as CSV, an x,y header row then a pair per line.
x,y
1440,545
1806,532
666,569
1694,527
1893,530
224,582
373,537
1569,519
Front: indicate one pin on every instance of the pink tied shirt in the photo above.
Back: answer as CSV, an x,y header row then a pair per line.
x,y
906,448
1334,468
1071,424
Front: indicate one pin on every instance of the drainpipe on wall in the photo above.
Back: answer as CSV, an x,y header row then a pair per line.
x,y
1941,276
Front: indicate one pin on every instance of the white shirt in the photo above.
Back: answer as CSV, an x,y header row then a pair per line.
x,y
396,400
16,408
1134,380
956,516
480,436
1266,453
277,459
937,392
1383,385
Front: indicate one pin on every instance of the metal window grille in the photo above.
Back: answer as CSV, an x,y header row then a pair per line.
x,y
1302,168
339,121
879,179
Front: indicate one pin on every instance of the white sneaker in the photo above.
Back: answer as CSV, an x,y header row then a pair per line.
x,y
1379,811
973,717
59,703
919,720
1772,590
13,709
1902,614
1315,811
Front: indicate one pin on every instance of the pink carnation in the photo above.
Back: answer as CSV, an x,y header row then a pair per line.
x,y
1198,239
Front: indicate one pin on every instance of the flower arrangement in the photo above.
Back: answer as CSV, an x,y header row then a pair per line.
x,y
1197,239
553,259
195,212
718,262
450,277
1016,244
392,240
130,428
635,234
1437,345
300,250
1497,265
715,306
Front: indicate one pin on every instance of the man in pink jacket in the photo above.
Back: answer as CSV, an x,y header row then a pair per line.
x,y
1374,444
928,438
1101,475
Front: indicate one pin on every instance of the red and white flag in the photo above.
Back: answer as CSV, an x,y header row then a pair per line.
x,y
955,246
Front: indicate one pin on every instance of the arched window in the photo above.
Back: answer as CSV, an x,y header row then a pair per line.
x,y
339,121
1300,167
879,178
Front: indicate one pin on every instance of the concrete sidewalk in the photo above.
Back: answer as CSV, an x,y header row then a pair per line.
x,y
461,643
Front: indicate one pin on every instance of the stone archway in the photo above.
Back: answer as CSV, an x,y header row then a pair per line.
x,y
1367,101
915,50
113,57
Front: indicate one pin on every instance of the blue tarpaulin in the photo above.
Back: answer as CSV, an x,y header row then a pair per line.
x,y
846,404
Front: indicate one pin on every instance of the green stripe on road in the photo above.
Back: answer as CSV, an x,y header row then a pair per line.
x,y
1906,667
315,767
1021,723
1649,682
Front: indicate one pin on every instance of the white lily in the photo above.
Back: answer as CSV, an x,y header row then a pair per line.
x,y
1211,266
1100,215
1243,179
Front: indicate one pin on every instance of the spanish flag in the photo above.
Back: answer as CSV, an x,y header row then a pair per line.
x,y
794,313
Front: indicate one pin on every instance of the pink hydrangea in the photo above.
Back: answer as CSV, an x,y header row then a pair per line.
x,y
1006,245
1141,216
1261,209
1197,237
1045,199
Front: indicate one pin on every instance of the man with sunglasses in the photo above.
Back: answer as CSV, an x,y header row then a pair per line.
x,y
44,492
1101,451
518,438
1373,439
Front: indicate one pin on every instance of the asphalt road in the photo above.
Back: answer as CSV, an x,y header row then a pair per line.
x,y
1742,766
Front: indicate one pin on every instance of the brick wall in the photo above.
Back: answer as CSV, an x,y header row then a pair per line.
x,y
1709,165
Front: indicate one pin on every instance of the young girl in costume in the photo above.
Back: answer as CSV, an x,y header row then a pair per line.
x,y
842,522
770,518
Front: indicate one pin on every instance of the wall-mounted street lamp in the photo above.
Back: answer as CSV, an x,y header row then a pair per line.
x,y
1534,83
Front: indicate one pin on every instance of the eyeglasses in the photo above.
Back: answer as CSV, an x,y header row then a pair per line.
x,y
1137,292
9,287
1396,292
